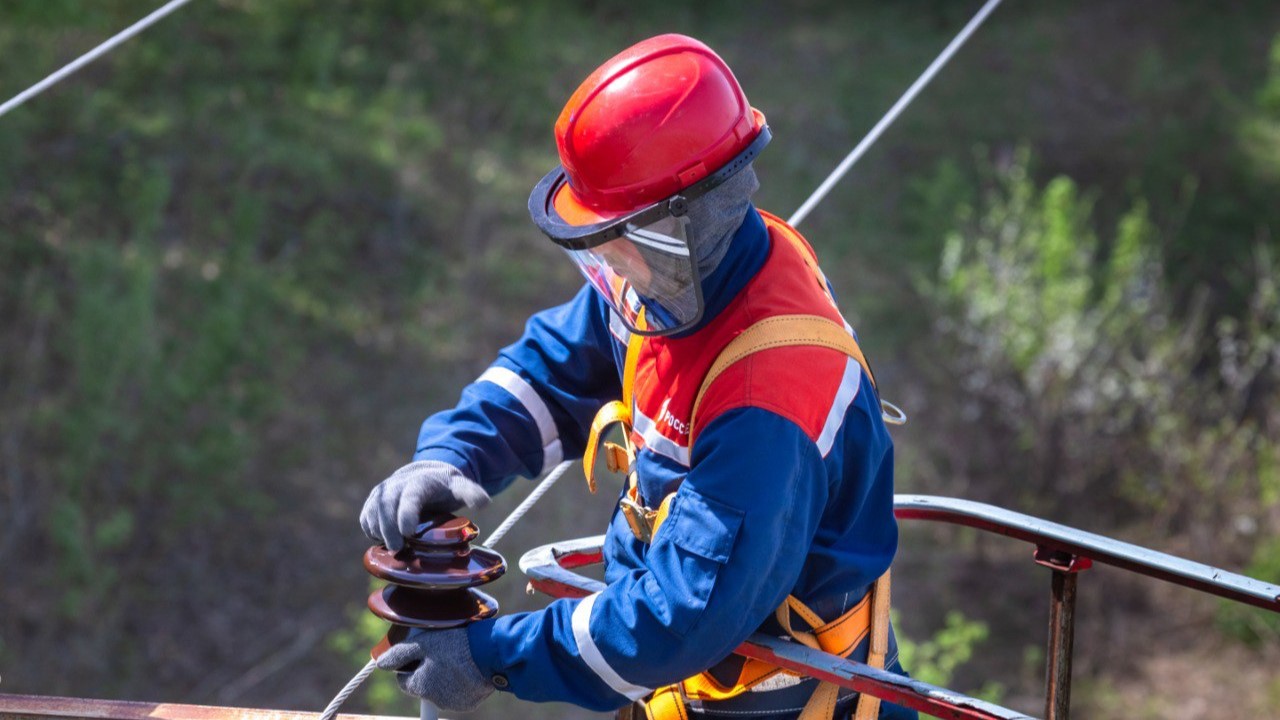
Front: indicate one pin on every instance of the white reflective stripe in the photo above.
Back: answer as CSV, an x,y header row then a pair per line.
x,y
850,383
591,654
552,455
656,441
658,241
618,328
552,452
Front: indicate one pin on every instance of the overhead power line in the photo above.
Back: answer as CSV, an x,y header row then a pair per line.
x,y
92,55
892,115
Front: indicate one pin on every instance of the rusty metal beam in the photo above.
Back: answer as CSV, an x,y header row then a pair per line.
x,y
1062,621
37,707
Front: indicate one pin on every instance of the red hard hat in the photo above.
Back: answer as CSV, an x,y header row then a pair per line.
x,y
654,119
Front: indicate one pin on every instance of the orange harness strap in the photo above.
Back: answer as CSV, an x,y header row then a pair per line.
x,y
838,637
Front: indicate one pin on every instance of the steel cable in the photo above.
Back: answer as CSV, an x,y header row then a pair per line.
x,y
816,197
92,55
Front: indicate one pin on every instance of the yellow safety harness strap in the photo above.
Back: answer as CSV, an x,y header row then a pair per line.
x,y
806,252
613,413
781,331
868,705
666,703
838,637
633,358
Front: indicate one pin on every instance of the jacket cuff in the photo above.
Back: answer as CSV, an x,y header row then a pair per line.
x,y
446,455
480,636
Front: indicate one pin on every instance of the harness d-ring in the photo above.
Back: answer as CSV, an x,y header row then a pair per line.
x,y
892,414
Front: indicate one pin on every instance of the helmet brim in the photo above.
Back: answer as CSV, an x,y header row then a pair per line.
x,y
562,216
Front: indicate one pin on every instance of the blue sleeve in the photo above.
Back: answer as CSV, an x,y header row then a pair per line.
x,y
728,554
533,407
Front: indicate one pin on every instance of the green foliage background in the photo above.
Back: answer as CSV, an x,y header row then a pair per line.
x,y
243,256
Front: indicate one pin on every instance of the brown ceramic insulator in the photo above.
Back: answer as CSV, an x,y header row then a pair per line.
x,y
433,579
443,530
436,570
435,610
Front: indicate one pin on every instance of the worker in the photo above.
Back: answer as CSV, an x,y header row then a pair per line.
x,y
759,493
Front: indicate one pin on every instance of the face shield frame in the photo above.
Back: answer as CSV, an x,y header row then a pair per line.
x,y
582,237
578,238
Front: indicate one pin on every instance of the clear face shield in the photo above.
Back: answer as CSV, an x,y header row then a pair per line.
x,y
651,268
643,263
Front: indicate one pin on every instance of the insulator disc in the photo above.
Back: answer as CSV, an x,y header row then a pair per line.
x,y
434,610
437,569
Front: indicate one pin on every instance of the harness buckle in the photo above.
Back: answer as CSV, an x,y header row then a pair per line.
x,y
616,457
639,518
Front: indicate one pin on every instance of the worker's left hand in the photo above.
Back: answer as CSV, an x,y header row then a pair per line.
x,y
446,675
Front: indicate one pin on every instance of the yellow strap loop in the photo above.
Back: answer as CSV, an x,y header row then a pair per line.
x,y
613,413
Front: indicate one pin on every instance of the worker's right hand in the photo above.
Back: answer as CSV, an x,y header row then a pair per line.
x,y
394,507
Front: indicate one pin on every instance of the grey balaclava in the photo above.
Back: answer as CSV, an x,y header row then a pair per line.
x,y
712,221
716,216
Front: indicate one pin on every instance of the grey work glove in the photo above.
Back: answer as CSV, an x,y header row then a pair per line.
x,y
394,507
446,674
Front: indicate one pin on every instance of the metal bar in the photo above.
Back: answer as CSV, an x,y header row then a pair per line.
x,y
1127,556
921,696
1062,623
35,707
545,568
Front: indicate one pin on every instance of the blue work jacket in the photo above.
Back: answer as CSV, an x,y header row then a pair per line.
x,y
788,489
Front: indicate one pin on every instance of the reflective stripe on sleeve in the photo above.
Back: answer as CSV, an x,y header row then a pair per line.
x,y
552,452
845,395
591,654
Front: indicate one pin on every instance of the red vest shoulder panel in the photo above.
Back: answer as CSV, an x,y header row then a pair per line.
x,y
798,383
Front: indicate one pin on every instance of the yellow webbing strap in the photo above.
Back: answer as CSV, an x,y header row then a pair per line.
x,y
868,705
615,412
838,637
781,331
612,413
666,704
634,344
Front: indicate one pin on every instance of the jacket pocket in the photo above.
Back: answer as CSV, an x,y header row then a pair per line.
x,y
689,550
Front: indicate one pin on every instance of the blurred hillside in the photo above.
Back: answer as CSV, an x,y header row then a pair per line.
x,y
246,254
